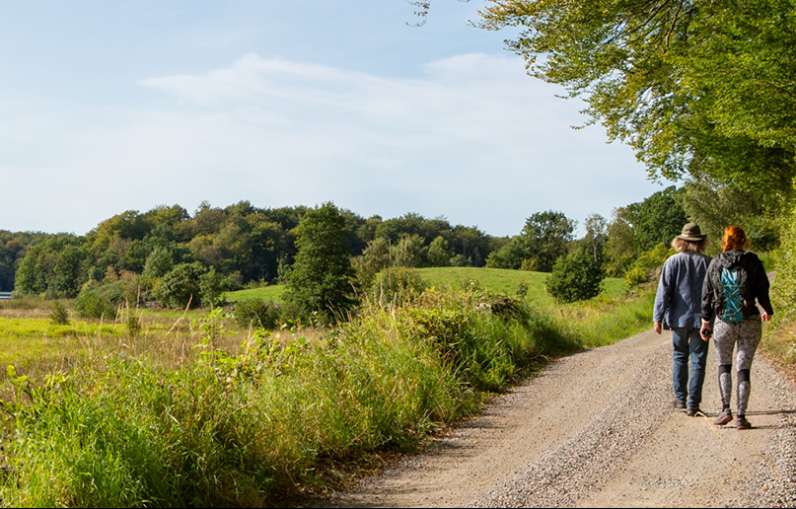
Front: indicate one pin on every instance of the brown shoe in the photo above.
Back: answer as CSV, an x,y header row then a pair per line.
x,y
724,417
743,423
693,412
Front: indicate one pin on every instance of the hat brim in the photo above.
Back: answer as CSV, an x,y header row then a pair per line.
x,y
699,238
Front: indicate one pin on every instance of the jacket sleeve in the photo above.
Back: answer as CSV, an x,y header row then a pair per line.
x,y
663,298
762,288
708,306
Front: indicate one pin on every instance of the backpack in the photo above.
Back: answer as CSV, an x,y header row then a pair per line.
x,y
733,301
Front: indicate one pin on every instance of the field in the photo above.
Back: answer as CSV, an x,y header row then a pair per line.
x,y
498,280
272,292
194,410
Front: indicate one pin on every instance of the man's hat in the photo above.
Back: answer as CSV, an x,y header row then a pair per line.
x,y
692,233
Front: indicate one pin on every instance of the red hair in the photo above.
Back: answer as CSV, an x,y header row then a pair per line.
x,y
734,239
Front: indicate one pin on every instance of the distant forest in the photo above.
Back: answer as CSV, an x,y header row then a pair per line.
x,y
241,241
250,246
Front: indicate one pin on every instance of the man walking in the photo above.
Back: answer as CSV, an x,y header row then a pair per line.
x,y
678,308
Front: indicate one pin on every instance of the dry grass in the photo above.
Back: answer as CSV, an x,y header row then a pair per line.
x,y
34,346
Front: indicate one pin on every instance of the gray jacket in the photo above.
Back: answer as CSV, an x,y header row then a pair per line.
x,y
678,304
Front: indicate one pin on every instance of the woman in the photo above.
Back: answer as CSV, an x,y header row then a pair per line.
x,y
677,307
735,282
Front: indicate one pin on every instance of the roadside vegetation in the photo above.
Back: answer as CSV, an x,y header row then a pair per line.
x,y
205,412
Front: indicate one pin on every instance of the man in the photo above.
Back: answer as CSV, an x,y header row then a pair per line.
x,y
678,307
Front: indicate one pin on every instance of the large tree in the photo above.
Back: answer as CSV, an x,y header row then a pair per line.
x,y
321,280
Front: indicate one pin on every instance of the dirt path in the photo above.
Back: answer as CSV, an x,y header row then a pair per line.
x,y
597,430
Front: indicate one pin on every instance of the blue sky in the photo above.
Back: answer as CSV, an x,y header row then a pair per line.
x,y
113,106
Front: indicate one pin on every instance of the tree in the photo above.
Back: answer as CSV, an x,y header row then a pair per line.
x,y
439,254
410,252
620,248
576,277
596,226
699,88
658,219
715,206
320,281
545,238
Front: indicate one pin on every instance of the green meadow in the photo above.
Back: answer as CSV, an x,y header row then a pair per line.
x,y
496,280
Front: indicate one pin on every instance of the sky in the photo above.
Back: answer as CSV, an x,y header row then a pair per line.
x,y
127,105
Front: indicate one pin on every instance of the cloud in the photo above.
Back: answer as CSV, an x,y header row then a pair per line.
x,y
471,137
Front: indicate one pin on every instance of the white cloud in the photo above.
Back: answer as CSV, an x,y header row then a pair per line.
x,y
472,138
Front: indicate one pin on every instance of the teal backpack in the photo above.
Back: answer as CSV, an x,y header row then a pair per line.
x,y
733,302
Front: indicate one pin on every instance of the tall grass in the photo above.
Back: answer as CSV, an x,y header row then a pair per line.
x,y
274,417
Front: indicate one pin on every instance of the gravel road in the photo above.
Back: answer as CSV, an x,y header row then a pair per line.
x,y
597,429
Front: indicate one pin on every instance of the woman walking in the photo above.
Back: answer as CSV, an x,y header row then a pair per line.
x,y
677,307
736,282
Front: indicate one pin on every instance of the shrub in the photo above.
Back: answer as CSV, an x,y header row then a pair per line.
x,y
181,286
396,286
460,261
647,266
576,277
59,314
258,313
212,286
90,304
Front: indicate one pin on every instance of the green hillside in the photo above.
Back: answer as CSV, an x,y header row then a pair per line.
x,y
501,280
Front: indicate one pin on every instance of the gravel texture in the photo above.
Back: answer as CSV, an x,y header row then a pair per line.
x,y
597,429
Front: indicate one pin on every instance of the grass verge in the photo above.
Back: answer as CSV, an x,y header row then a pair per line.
x,y
276,416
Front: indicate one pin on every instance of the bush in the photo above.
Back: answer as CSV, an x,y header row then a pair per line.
x,y
647,267
90,304
181,286
212,286
576,278
258,313
396,286
460,261
59,314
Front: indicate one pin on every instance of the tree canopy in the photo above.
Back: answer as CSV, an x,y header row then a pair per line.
x,y
698,89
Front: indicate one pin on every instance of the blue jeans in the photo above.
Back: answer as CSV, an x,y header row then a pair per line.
x,y
688,342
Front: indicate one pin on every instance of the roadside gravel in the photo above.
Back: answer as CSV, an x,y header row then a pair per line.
x,y
597,429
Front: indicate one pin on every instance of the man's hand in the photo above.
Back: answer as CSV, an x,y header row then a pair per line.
x,y
658,328
766,317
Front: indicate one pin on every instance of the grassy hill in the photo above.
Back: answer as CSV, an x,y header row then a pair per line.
x,y
501,280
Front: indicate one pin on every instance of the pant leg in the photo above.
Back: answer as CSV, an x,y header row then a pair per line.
x,y
724,340
680,368
699,361
751,332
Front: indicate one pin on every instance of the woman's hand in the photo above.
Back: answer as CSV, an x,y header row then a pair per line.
x,y
766,317
706,331
658,328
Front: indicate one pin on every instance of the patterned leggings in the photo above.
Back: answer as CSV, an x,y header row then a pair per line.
x,y
746,335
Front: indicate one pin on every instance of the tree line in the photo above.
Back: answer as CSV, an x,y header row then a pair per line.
x,y
174,258
242,243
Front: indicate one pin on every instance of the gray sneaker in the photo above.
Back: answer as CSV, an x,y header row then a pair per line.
x,y
742,423
724,417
